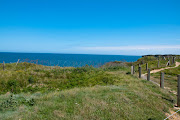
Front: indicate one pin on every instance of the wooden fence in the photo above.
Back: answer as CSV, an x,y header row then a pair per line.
x,y
161,77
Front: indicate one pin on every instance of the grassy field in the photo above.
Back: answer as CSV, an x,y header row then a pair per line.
x,y
30,91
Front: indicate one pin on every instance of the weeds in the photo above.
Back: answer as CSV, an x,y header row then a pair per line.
x,y
9,104
13,102
33,78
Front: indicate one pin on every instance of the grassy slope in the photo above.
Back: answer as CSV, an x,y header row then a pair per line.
x,y
46,93
131,99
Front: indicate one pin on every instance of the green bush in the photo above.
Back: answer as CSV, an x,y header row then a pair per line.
x,y
13,102
13,86
8,104
31,80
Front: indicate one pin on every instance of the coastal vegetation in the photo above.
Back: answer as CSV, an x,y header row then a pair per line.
x,y
31,91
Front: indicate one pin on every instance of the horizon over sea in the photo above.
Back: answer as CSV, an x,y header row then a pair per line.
x,y
64,60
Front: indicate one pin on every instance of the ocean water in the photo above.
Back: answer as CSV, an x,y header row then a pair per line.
x,y
64,60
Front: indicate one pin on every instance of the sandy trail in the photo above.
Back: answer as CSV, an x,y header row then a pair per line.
x,y
158,70
175,116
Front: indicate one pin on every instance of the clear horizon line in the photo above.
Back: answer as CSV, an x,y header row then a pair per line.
x,y
68,53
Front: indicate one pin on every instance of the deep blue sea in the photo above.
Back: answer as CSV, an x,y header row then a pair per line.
x,y
64,60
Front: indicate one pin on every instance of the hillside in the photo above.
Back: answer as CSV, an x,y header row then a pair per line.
x,y
30,91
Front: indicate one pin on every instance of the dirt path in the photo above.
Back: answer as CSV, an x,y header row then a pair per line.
x,y
175,116
158,70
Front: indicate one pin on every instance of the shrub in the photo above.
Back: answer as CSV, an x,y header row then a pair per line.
x,y
31,80
8,104
12,85
128,73
48,74
13,102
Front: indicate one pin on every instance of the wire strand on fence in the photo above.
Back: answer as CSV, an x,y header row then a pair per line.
x,y
172,114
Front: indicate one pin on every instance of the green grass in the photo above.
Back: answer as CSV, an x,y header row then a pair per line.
x,y
178,60
30,91
28,77
131,99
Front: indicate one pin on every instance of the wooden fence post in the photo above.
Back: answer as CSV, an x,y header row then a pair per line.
x,y
169,62
173,60
148,75
3,65
158,64
132,69
139,72
17,62
142,61
162,80
164,58
146,66
178,92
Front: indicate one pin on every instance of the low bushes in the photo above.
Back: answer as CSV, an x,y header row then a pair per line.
x,y
40,78
13,102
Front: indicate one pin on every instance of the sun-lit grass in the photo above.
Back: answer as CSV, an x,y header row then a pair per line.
x,y
131,99
30,91
27,77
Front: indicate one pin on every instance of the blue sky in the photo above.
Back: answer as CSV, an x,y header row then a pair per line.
x,y
124,27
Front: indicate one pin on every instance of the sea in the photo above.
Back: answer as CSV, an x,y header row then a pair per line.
x,y
64,60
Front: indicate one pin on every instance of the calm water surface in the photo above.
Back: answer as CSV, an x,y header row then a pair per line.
x,y
75,60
